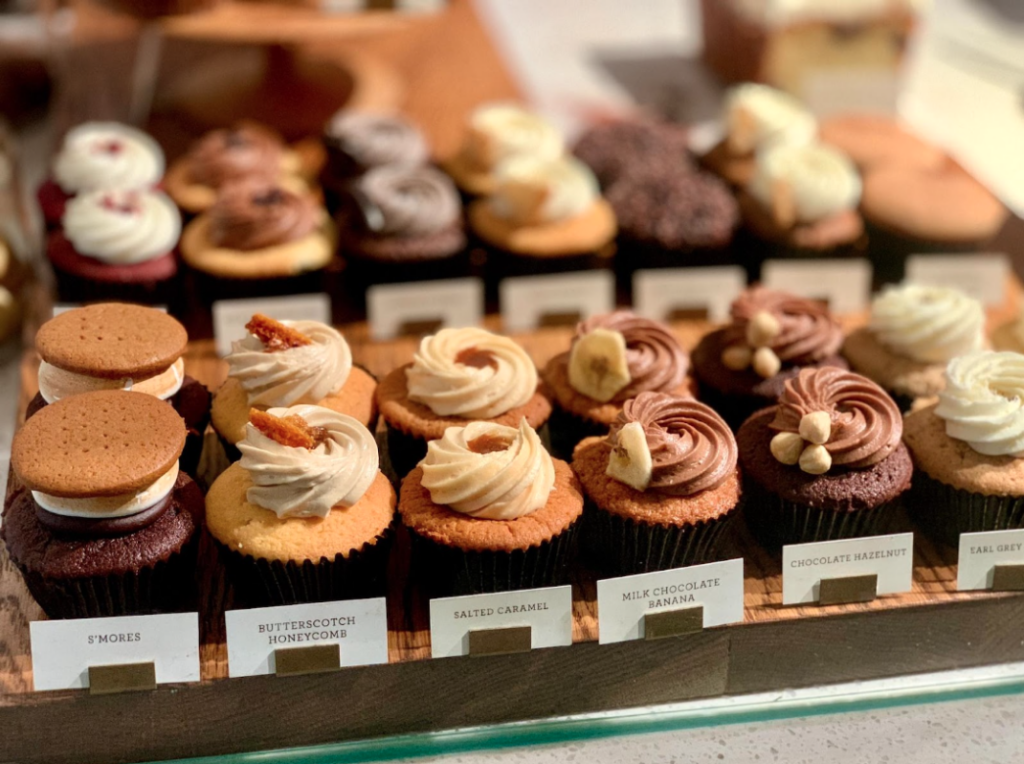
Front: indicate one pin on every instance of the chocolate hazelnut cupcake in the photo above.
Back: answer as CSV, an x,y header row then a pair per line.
x,y
490,510
284,363
102,523
642,147
913,333
306,515
456,376
662,488
115,346
826,462
613,357
968,449
744,366
99,155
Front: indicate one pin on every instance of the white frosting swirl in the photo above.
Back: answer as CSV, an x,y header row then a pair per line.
x,y
498,131
533,190
502,484
821,181
983,403
302,482
122,227
103,507
927,324
56,383
304,374
760,115
107,155
503,378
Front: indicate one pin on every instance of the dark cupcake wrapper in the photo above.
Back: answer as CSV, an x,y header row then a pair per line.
x,y
567,429
758,250
902,401
944,512
734,409
889,251
261,583
633,255
77,289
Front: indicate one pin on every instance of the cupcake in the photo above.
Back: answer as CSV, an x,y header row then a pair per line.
x,y
117,244
99,155
826,462
489,510
223,157
967,449
496,132
544,216
306,515
103,523
457,375
874,140
613,357
913,333
284,363
662,487
744,366
116,346
756,116
615,149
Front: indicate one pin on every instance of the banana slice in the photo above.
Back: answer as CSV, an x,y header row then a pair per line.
x,y
598,366
630,460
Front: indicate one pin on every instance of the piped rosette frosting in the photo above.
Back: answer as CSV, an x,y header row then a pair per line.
x,y
534,190
983,403
831,418
489,471
107,155
771,330
375,140
306,460
471,373
258,214
759,115
804,183
283,363
927,324
406,201
670,445
228,155
122,227
499,131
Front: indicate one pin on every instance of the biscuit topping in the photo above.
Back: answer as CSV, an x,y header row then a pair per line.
x,y
274,335
291,430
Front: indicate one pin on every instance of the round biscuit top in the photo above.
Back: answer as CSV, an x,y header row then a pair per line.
x,y
112,340
102,443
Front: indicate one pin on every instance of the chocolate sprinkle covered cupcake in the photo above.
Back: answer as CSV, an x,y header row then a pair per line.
x,y
633,147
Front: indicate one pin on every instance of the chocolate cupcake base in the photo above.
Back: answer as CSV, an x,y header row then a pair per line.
x,y
944,512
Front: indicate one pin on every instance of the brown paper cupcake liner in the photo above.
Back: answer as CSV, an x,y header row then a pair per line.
x,y
944,512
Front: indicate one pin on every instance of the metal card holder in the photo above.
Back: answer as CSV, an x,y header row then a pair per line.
x,y
503,641
848,589
673,623
313,659
122,677
1008,577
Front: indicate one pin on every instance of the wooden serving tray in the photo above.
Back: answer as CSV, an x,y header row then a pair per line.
x,y
930,628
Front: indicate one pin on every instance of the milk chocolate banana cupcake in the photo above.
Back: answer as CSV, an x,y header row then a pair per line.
x,y
662,487
772,336
306,515
490,510
826,462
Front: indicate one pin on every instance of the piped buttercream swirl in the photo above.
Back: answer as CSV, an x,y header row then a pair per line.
x,y
531,189
256,214
760,115
374,140
122,227
927,324
983,403
231,154
807,331
498,131
813,180
107,155
407,201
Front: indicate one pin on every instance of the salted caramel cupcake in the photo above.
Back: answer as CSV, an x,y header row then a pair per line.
x,y
490,510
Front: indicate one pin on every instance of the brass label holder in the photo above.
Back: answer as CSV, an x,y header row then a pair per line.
x,y
122,677
673,623
312,659
502,641
847,589
1008,577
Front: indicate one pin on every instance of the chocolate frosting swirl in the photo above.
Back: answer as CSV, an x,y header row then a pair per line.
x,y
407,201
808,333
256,214
375,140
692,448
866,423
655,358
227,155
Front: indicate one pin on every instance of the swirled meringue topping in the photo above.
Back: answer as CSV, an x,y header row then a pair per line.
x,y
56,383
531,190
107,507
408,201
293,481
107,155
304,373
470,373
855,420
760,115
489,471
927,324
805,183
375,140
498,131
692,448
983,403
256,214
655,359
804,330
227,155
122,227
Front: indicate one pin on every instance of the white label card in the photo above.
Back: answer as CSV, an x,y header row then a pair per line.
x,y
656,293
548,613
525,300
891,558
452,302
231,316
623,602
980,275
981,552
63,651
844,282
359,627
